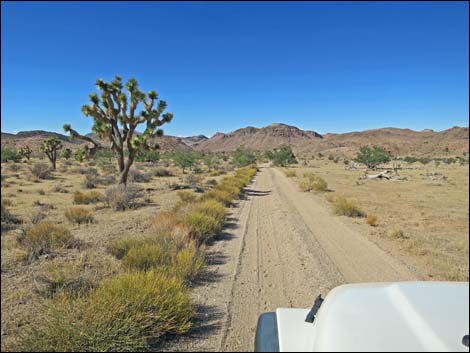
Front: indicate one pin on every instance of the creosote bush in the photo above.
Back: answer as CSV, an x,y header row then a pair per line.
x,y
79,215
345,207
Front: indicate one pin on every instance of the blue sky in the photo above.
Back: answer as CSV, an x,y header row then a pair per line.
x,y
328,67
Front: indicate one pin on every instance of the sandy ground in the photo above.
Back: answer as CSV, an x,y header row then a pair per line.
x,y
281,249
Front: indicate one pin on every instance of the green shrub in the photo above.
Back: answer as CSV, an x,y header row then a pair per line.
x,y
120,247
147,156
282,156
127,313
243,157
345,207
79,215
44,237
10,154
146,257
212,208
202,226
219,195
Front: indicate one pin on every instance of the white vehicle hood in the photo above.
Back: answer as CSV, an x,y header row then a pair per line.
x,y
406,316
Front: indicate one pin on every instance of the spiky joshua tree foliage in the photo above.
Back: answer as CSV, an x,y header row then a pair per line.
x,y
50,147
25,152
116,117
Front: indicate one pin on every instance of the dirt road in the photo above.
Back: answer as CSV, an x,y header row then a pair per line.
x,y
282,249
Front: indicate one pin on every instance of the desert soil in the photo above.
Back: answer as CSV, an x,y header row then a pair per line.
x,y
281,248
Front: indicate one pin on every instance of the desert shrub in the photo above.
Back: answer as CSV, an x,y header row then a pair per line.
x,y
319,185
211,182
162,172
282,156
37,216
7,217
41,170
147,156
192,179
395,232
305,186
212,208
88,171
146,257
202,226
44,237
79,215
345,207
371,220
63,279
90,181
219,195
165,222
41,192
187,196
290,173
85,198
137,177
126,313
243,157
10,154
122,197
120,247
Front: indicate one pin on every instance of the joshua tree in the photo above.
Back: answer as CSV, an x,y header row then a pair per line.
x,y
25,152
116,119
66,153
50,147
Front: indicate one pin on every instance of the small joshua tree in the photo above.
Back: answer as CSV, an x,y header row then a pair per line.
x,y
66,153
50,147
116,119
25,152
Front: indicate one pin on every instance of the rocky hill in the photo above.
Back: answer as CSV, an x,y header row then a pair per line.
x,y
454,141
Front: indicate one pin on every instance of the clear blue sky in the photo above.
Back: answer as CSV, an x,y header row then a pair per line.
x,y
329,67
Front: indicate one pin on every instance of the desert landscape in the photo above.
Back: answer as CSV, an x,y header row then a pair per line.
x,y
280,240
234,176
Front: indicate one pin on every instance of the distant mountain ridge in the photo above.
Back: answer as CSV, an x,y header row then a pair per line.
x,y
427,142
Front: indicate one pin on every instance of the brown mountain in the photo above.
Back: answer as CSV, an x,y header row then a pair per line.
x,y
398,141
34,139
265,138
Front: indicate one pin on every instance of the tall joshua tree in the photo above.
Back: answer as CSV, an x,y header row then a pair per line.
x,y
50,147
116,118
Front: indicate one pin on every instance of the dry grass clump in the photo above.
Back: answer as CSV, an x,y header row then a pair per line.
x,y
120,247
395,232
219,195
371,220
86,198
41,171
79,215
60,188
126,313
202,226
314,183
122,197
45,237
165,222
345,207
290,173
186,196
